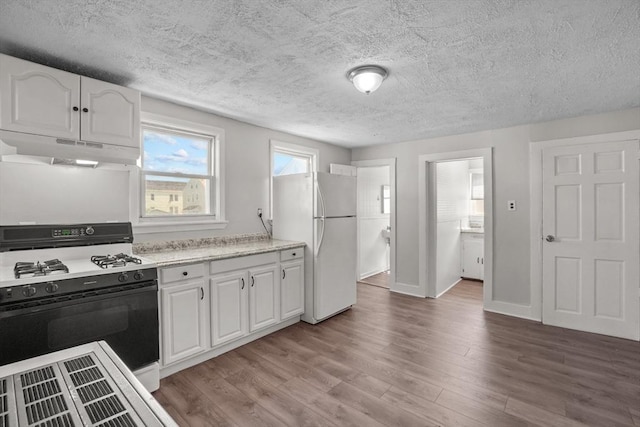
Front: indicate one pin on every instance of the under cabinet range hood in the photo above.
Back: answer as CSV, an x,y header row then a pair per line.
x,y
47,146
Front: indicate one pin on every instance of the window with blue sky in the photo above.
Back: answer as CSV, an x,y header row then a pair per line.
x,y
176,173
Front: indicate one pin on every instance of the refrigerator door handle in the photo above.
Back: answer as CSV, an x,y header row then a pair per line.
x,y
321,198
321,235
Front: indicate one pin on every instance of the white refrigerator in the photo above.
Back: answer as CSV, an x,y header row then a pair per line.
x,y
320,210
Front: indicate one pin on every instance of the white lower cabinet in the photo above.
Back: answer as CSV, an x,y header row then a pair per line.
x,y
473,258
263,297
291,283
228,307
239,297
184,320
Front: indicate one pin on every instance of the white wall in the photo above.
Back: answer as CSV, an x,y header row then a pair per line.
x,y
452,194
511,282
45,194
373,248
82,195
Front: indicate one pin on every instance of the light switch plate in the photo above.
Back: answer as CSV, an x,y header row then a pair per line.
x,y
511,205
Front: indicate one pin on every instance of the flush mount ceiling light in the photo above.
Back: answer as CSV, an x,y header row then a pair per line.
x,y
367,78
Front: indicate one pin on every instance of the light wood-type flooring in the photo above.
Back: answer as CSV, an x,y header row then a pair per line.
x,y
395,360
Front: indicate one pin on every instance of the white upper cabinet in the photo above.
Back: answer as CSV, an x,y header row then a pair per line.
x,y
38,99
110,113
44,101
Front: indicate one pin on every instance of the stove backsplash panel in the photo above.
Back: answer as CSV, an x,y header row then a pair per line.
x,y
50,194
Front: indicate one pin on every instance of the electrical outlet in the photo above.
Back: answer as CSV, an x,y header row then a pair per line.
x,y
511,205
260,212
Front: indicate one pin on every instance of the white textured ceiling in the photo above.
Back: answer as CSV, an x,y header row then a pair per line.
x,y
455,66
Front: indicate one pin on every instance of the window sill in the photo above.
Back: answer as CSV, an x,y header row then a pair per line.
x,y
151,227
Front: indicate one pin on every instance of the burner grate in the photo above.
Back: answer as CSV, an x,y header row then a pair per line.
x,y
118,260
23,269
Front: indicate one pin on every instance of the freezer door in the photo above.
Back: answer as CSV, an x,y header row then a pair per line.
x,y
335,266
335,195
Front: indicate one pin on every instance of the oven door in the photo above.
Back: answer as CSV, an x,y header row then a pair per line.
x,y
127,320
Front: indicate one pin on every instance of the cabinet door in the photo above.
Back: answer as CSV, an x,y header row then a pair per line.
x,y
183,321
263,297
472,258
228,307
110,113
291,289
38,99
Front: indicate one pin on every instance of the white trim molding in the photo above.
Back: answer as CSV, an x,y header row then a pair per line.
x,y
427,220
394,286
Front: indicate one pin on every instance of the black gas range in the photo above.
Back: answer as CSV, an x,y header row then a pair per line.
x,y
66,285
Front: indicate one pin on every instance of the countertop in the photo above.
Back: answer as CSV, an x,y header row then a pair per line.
x,y
472,230
168,257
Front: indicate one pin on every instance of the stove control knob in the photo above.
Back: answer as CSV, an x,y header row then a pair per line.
x,y
51,287
138,275
89,230
123,277
29,291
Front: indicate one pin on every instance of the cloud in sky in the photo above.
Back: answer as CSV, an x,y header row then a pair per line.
x,y
161,137
181,153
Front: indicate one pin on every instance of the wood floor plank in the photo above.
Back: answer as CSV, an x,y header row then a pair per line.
x,y
378,409
236,406
537,415
339,412
292,412
398,360
434,413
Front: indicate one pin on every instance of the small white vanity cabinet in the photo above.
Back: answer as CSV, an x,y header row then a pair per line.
x,y
41,100
472,256
209,308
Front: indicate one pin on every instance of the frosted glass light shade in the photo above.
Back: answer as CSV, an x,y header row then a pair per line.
x,y
367,78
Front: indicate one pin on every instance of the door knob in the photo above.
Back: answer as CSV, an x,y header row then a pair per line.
x,y
550,238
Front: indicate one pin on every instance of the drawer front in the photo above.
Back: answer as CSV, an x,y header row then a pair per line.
x,y
290,254
243,262
181,272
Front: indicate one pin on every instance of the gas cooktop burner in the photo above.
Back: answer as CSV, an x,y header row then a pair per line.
x,y
119,260
24,269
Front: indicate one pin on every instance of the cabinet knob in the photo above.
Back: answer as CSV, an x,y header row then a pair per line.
x,y
75,108
185,273
85,110
293,254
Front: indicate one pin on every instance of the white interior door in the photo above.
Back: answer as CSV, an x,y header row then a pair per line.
x,y
591,248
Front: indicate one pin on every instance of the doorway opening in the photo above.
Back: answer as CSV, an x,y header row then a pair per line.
x,y
376,222
456,221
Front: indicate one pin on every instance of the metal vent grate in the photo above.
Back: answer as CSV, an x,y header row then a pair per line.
x,y
94,391
41,391
86,376
37,376
123,420
105,408
63,420
79,363
4,404
46,408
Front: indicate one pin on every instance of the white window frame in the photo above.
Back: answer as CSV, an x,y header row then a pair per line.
x,y
292,149
215,220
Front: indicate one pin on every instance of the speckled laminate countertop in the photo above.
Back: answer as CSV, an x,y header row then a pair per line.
x,y
169,256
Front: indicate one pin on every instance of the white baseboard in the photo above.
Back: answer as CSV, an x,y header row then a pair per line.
x,y
447,290
510,309
406,289
372,272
